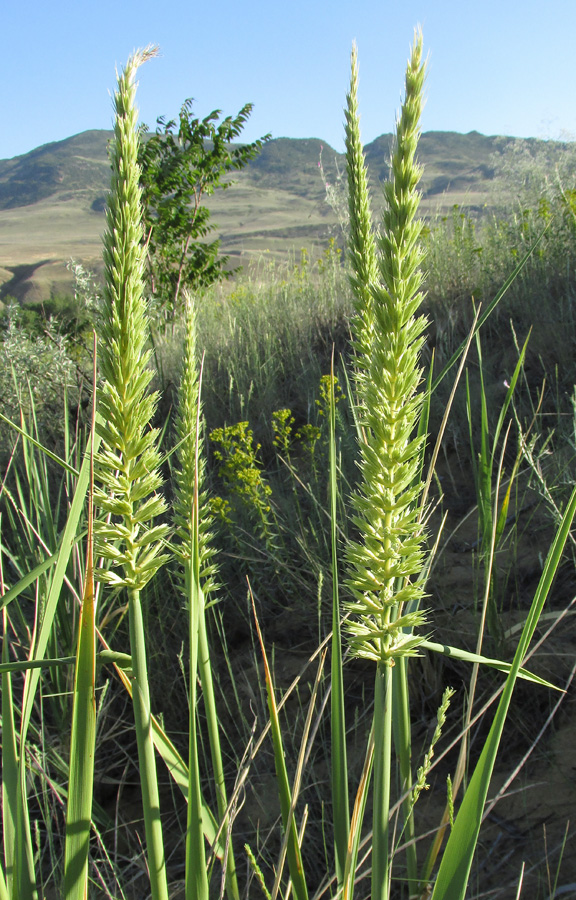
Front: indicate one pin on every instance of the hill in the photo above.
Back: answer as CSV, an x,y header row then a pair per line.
x,y
52,200
77,166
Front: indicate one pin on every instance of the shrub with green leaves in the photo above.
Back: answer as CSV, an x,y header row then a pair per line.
x,y
241,471
181,164
36,372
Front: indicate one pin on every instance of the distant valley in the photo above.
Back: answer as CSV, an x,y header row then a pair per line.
x,y
52,200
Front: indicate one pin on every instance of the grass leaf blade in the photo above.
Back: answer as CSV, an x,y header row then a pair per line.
x,y
456,862
339,765
83,737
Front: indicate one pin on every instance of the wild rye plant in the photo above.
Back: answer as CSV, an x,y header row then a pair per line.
x,y
127,466
387,561
387,558
386,568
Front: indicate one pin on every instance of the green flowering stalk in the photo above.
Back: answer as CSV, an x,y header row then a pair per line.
x,y
188,550
127,466
388,337
390,549
330,391
361,244
282,422
190,474
424,770
194,550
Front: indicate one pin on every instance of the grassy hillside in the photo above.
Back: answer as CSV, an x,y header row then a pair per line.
x,y
78,165
52,200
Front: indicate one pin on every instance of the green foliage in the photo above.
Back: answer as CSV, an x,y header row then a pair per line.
x,y
309,435
269,340
257,488
241,471
36,373
532,170
181,164
61,312
472,257
330,392
282,422
288,475
331,257
491,519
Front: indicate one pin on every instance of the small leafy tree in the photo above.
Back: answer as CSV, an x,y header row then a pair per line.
x,y
183,162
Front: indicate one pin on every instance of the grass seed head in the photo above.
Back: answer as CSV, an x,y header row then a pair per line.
x,y
389,551
127,467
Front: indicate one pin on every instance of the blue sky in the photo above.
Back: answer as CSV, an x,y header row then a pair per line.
x,y
496,66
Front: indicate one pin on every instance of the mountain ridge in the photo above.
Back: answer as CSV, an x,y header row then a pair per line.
x,y
52,199
80,162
